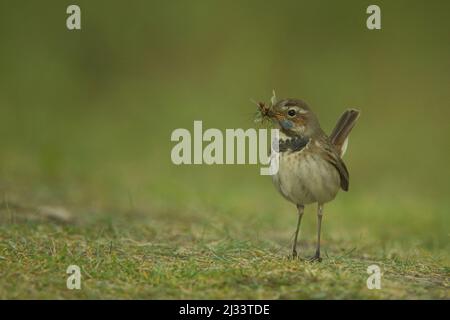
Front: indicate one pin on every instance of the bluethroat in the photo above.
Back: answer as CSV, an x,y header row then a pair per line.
x,y
311,169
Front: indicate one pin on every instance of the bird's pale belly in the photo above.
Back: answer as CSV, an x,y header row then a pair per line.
x,y
304,177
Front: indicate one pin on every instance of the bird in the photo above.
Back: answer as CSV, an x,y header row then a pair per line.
x,y
310,165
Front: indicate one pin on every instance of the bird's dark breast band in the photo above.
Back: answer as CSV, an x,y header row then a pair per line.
x,y
293,144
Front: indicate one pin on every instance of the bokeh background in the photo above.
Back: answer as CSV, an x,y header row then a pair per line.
x,y
86,116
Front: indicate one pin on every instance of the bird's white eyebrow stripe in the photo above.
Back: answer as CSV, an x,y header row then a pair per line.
x,y
291,105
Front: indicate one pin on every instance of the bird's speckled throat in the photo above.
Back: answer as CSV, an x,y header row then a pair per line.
x,y
293,144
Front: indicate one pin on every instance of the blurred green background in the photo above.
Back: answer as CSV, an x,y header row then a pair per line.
x,y
86,116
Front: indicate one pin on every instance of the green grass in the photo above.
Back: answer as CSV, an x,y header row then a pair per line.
x,y
211,254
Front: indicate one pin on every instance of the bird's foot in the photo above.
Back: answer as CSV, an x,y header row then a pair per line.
x,y
315,258
294,255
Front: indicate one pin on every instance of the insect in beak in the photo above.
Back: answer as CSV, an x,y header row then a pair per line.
x,y
264,109
266,112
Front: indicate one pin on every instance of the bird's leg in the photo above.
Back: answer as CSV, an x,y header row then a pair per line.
x,y
300,209
317,257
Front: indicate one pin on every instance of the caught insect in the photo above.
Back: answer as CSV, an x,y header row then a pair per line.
x,y
263,112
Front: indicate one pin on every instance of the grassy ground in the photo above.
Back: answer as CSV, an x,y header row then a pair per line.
x,y
85,170
213,252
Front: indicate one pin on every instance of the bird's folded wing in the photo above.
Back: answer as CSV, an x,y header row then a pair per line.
x,y
333,158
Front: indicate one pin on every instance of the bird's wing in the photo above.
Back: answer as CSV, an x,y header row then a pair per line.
x,y
333,158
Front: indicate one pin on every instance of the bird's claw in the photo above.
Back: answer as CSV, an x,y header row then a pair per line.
x,y
293,256
315,258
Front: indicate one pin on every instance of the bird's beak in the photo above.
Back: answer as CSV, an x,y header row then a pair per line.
x,y
282,121
275,115
266,111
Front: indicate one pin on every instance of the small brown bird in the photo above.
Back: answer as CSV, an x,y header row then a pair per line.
x,y
310,166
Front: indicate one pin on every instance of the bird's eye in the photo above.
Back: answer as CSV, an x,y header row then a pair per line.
x,y
291,112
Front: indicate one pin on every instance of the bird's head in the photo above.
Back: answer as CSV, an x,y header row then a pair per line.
x,y
293,116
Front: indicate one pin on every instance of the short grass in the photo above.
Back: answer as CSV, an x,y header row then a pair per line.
x,y
208,253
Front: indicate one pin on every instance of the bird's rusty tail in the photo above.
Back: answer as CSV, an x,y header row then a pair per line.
x,y
339,135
